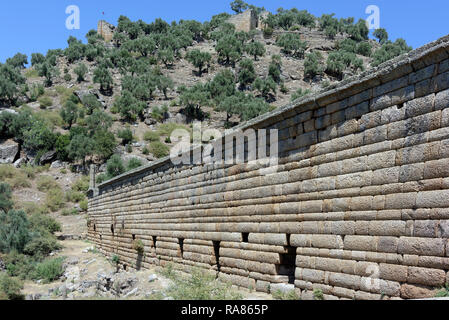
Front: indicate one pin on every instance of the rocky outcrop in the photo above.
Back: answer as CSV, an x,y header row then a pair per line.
x,y
9,151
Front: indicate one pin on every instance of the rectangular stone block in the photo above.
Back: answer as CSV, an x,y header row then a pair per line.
x,y
393,272
425,276
433,199
421,246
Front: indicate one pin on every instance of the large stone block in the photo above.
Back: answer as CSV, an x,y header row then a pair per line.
x,y
425,276
421,246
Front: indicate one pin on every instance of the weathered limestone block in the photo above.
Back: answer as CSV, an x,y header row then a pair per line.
x,y
421,246
425,276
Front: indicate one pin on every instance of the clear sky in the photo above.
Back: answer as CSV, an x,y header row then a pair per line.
x,y
35,26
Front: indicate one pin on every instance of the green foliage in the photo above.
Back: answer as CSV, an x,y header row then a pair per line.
x,y
14,231
104,143
48,71
55,199
166,56
18,61
313,64
69,113
45,101
299,93
222,85
90,101
247,73
158,113
266,86
84,205
193,99
381,34
255,49
339,61
390,50
199,59
364,48
49,270
290,295
133,163
10,288
37,58
80,70
5,197
151,136
199,285
245,106
39,137
115,166
158,149
164,84
444,292
238,6
36,90
229,49
102,75
318,294
129,107
138,246
10,80
46,183
126,135
292,44
275,68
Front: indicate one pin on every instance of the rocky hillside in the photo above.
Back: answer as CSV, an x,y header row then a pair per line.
x,y
125,96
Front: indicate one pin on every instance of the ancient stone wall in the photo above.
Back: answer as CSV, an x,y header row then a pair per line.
x,y
245,21
106,30
358,208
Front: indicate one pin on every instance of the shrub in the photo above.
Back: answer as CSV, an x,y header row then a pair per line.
x,y
313,64
299,93
44,224
151,136
69,212
33,208
318,294
10,288
41,247
84,205
138,246
45,101
49,270
14,231
268,32
19,265
82,184
80,71
5,197
290,295
133,164
199,285
55,199
46,183
159,150
145,151
126,135
114,166
74,196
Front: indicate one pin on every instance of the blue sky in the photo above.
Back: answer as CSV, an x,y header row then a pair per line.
x,y
36,26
